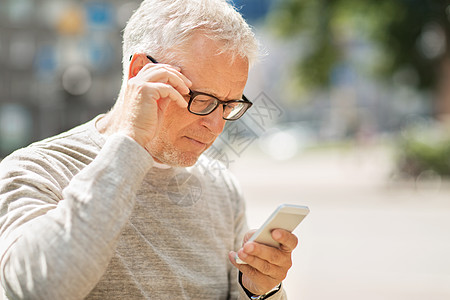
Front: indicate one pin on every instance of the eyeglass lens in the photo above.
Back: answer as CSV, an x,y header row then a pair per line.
x,y
204,104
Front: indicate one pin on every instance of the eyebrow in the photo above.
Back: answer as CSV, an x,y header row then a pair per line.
x,y
220,98
207,91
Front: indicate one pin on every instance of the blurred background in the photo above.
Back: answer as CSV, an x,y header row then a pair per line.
x,y
351,118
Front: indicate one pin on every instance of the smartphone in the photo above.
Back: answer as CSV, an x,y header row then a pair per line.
x,y
286,216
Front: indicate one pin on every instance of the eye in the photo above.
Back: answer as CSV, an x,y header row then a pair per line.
x,y
233,105
202,101
203,104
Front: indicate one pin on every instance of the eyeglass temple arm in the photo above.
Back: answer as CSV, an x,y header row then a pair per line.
x,y
149,57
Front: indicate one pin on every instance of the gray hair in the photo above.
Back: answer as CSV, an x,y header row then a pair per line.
x,y
158,27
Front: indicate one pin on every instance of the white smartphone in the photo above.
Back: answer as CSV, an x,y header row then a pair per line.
x,y
286,216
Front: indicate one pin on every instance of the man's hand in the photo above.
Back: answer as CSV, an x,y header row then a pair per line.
x,y
150,89
266,266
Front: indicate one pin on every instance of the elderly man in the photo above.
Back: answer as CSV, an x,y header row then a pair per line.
x,y
88,214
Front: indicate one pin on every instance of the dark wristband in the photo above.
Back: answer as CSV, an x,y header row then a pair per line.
x,y
258,297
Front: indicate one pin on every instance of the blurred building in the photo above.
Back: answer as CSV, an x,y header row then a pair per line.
x,y
60,65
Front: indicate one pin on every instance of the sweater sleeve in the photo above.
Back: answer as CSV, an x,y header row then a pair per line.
x,y
57,245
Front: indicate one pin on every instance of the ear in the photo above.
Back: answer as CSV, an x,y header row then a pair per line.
x,y
138,61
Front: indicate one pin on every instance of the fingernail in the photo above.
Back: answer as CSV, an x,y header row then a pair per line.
x,y
277,234
249,248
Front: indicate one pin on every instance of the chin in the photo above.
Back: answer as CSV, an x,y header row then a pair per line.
x,y
178,159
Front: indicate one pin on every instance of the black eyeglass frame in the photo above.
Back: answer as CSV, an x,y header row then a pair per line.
x,y
244,100
193,94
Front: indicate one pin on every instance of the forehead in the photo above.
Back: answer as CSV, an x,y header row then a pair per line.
x,y
212,72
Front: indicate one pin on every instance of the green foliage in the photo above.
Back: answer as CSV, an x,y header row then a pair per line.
x,y
422,151
397,29
403,40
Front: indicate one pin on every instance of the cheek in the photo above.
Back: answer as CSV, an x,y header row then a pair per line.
x,y
175,118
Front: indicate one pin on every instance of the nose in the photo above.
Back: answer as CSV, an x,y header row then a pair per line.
x,y
214,121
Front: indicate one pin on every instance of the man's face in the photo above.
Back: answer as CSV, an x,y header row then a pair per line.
x,y
183,135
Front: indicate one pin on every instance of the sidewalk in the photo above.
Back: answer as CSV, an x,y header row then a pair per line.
x,y
365,238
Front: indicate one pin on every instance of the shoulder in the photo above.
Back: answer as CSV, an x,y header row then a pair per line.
x,y
57,157
83,140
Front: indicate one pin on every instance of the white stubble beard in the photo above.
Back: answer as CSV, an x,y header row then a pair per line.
x,y
168,154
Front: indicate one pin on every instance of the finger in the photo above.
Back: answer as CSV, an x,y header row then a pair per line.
x,y
288,241
182,76
158,91
258,279
264,267
163,75
172,69
248,235
152,65
164,65
271,255
232,258
177,71
246,268
242,267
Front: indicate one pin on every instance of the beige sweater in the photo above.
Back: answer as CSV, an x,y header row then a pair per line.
x,y
84,217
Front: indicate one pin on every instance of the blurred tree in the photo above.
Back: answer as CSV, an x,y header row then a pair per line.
x,y
412,38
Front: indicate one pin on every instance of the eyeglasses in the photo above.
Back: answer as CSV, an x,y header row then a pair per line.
x,y
203,104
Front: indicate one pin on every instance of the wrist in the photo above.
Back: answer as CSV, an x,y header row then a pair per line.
x,y
266,295
258,297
